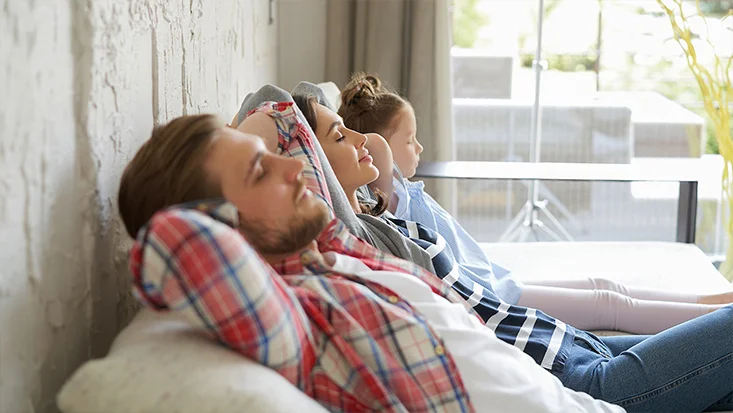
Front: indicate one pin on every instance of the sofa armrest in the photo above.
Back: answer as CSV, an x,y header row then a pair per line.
x,y
688,175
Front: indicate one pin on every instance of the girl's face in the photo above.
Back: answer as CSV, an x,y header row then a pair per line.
x,y
406,149
345,150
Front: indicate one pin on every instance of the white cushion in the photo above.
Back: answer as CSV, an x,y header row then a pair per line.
x,y
666,266
159,364
332,92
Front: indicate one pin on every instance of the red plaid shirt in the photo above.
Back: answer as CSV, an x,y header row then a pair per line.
x,y
352,345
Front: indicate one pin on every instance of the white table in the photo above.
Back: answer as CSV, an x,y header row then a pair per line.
x,y
685,171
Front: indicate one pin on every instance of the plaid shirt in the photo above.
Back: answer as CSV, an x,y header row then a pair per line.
x,y
547,340
352,345
544,338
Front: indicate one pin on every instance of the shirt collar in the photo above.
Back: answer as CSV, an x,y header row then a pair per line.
x,y
334,238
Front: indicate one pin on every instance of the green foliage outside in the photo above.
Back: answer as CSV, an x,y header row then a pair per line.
x,y
658,74
675,88
467,21
716,8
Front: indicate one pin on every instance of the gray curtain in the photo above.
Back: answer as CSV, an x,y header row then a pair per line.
x,y
407,43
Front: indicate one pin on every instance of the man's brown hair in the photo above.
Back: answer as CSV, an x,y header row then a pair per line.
x,y
168,169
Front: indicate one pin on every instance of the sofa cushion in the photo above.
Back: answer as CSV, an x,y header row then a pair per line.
x,y
160,364
666,266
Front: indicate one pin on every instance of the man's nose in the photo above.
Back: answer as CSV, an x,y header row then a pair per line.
x,y
293,168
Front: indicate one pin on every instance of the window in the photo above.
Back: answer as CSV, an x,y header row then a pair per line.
x,y
616,89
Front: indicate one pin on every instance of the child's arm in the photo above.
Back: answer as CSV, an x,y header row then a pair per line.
x,y
381,153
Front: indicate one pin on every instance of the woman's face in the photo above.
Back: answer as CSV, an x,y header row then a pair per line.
x,y
406,149
345,150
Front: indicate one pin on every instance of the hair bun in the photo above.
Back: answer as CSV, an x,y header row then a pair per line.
x,y
362,90
367,105
374,81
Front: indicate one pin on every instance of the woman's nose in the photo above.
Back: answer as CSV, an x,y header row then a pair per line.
x,y
419,148
361,140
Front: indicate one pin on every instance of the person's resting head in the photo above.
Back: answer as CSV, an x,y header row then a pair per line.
x,y
198,157
345,150
369,107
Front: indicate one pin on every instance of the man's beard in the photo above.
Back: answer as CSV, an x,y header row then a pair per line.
x,y
297,234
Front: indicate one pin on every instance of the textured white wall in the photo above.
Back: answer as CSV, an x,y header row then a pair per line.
x,y
81,84
302,26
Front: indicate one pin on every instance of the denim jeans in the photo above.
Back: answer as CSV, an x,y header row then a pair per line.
x,y
687,368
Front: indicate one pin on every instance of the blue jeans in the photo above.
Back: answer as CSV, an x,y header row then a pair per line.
x,y
687,368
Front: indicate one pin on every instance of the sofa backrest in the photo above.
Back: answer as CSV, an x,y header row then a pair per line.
x,y
499,129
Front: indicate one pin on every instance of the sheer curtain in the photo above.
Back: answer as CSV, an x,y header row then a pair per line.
x,y
407,43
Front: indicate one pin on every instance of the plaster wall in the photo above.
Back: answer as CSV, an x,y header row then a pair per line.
x,y
82,82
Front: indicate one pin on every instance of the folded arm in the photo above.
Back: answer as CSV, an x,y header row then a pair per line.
x,y
190,263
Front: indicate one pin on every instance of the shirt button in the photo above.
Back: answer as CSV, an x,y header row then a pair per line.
x,y
393,299
439,350
305,261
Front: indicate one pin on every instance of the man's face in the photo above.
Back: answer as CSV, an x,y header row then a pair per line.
x,y
278,214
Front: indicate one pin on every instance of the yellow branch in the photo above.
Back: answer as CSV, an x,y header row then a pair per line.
x,y
716,90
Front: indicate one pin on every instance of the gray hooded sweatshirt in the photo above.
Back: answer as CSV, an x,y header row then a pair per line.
x,y
373,230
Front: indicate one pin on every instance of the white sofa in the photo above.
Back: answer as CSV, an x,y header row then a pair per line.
x,y
575,132
662,128
159,364
478,74
583,131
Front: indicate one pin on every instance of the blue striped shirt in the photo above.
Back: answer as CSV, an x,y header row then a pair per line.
x,y
416,205
544,338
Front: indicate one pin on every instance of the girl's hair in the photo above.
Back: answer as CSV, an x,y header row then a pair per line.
x,y
307,105
367,106
378,208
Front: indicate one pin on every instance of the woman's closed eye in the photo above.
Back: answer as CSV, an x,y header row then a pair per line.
x,y
340,137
